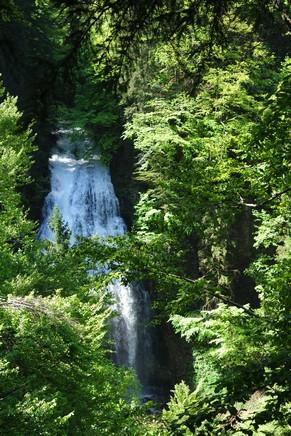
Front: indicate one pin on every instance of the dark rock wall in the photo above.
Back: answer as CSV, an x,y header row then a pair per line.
x,y
126,187
240,257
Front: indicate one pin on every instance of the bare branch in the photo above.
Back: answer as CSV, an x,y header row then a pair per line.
x,y
269,200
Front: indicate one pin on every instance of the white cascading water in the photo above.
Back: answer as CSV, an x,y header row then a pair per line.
x,y
83,192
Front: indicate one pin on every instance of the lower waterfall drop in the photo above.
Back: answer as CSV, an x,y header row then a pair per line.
x,y
83,192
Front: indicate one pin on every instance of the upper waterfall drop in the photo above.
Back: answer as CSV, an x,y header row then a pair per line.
x,y
82,190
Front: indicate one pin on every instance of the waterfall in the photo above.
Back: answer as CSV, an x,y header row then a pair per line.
x,y
83,192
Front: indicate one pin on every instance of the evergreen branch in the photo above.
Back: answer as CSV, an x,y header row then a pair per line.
x,y
214,294
12,391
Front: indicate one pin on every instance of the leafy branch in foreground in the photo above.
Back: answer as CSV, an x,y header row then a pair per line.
x,y
42,353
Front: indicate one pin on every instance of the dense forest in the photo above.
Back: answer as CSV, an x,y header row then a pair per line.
x,y
186,104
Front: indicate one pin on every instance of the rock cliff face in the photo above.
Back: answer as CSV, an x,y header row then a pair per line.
x,y
35,192
240,257
174,356
126,187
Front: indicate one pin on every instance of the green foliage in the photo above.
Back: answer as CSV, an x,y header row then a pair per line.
x,y
241,358
215,164
55,376
94,109
125,29
195,155
241,375
28,56
15,159
60,229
